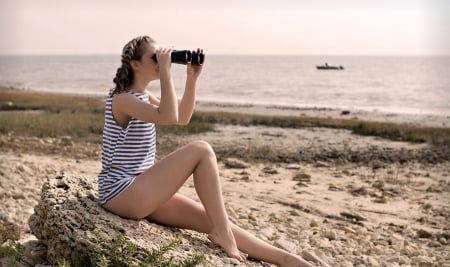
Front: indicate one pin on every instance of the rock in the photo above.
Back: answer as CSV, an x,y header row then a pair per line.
x,y
333,187
321,164
353,217
372,261
267,232
69,221
36,251
232,213
313,223
423,261
312,257
269,170
66,140
347,229
233,163
285,244
301,184
360,191
293,167
24,169
434,244
423,234
330,234
235,262
302,177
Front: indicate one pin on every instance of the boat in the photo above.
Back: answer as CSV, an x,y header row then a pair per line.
x,y
328,67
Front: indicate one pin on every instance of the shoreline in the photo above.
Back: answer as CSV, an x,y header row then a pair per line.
x,y
427,120
422,120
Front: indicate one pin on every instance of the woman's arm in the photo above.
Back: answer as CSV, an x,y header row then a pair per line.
x,y
168,106
126,106
187,103
154,112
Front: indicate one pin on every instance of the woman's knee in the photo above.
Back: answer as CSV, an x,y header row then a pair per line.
x,y
203,148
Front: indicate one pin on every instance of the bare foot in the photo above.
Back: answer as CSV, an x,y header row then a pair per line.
x,y
227,243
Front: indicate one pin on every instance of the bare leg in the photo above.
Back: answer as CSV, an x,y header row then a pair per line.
x,y
184,212
159,183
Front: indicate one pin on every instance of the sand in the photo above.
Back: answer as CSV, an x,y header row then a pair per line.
x,y
349,213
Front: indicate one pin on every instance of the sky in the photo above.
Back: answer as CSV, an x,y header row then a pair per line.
x,y
315,27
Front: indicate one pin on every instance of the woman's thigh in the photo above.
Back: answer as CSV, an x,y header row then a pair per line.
x,y
182,212
158,184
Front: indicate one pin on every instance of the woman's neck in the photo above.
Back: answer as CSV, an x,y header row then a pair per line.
x,y
138,86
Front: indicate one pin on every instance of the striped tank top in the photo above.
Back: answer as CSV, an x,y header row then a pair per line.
x,y
126,152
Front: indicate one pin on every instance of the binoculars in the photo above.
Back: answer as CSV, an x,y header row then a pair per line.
x,y
185,57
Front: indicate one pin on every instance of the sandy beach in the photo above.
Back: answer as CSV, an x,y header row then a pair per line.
x,y
352,200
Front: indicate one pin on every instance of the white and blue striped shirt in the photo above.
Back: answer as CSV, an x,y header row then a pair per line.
x,y
126,152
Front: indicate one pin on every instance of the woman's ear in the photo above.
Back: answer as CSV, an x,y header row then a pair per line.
x,y
134,65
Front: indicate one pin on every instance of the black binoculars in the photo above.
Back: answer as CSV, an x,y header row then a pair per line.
x,y
185,57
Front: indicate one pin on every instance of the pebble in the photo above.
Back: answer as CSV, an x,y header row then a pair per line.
x,y
232,213
286,245
372,261
269,170
423,261
313,223
236,262
423,234
302,177
267,232
434,244
311,256
347,229
293,167
22,168
233,163
66,140
330,234
321,164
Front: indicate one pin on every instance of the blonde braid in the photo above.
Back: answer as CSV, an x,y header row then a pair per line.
x,y
133,50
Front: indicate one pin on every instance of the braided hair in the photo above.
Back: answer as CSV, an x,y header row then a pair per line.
x,y
133,50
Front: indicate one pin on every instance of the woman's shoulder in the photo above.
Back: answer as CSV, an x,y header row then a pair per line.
x,y
128,95
129,98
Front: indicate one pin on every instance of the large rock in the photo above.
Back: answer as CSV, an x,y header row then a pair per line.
x,y
68,220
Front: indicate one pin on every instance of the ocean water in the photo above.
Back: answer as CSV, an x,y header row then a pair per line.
x,y
395,84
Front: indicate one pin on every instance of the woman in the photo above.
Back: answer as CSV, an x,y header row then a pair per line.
x,y
132,185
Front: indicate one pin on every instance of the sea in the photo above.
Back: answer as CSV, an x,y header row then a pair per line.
x,y
391,84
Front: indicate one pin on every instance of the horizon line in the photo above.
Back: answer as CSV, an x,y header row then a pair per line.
x,y
222,54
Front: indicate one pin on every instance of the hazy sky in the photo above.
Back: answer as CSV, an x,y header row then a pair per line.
x,y
362,27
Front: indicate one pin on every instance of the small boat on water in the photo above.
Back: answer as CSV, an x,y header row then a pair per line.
x,y
328,67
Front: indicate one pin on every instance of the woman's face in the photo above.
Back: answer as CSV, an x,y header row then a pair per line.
x,y
147,68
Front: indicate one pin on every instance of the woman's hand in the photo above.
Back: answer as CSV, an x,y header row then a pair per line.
x,y
163,56
193,71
